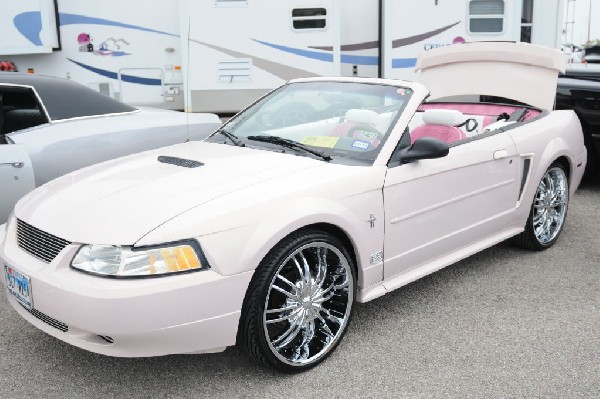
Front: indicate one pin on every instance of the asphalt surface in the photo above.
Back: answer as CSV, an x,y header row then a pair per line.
x,y
503,323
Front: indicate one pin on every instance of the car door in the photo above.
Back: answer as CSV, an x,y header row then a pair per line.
x,y
435,207
16,177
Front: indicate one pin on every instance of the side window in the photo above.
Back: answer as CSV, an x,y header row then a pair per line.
x,y
486,16
309,18
19,109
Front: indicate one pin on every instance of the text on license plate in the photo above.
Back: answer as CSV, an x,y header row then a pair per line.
x,y
19,286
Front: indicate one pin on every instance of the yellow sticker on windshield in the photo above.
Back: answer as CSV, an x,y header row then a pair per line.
x,y
320,141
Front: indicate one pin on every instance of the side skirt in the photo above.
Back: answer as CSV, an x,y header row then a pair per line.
x,y
394,282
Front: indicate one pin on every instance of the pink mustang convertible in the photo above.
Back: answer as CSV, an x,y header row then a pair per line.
x,y
323,193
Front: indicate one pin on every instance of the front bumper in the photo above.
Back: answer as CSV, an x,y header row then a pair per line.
x,y
190,313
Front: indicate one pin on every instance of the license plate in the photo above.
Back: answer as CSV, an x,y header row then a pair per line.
x,y
19,286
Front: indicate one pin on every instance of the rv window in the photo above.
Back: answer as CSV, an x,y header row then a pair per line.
x,y
309,18
526,20
486,16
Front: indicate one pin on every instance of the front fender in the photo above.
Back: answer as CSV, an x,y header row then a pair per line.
x,y
236,231
242,249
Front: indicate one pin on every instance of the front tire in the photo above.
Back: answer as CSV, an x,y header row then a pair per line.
x,y
299,302
548,211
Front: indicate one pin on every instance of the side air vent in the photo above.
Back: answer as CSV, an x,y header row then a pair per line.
x,y
526,166
185,163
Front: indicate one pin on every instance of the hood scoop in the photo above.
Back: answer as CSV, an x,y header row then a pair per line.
x,y
185,163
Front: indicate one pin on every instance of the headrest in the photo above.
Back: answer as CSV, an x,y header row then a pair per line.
x,y
445,117
365,116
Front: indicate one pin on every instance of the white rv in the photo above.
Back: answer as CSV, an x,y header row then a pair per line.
x,y
219,55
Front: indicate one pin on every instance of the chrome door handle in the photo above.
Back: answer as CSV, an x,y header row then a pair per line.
x,y
500,154
17,164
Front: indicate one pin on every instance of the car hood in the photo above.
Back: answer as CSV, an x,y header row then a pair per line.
x,y
118,202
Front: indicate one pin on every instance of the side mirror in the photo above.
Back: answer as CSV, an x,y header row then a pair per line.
x,y
424,148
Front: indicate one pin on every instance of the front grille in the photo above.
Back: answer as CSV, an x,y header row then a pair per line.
x,y
38,243
59,325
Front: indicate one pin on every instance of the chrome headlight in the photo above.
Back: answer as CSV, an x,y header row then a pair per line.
x,y
121,261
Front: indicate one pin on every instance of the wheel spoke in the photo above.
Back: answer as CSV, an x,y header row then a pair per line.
x,y
279,310
307,275
331,317
300,271
284,292
321,266
288,282
550,186
325,326
343,284
540,217
558,202
293,324
303,350
291,316
308,333
326,290
292,333
328,297
542,187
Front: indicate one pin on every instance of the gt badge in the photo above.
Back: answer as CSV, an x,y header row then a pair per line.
x,y
376,257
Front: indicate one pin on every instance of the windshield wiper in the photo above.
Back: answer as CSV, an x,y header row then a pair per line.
x,y
232,137
289,144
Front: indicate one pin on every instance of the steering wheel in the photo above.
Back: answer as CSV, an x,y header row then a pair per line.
x,y
292,114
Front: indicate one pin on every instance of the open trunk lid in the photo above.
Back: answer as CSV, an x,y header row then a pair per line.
x,y
518,71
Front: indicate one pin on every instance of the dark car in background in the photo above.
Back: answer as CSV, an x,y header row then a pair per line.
x,y
579,90
592,55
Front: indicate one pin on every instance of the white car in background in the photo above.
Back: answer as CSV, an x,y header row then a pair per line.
x,y
51,126
266,233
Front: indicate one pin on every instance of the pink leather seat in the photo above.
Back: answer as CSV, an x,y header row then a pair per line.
x,y
447,134
488,120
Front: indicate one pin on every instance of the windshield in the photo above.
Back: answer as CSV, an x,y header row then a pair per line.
x,y
339,119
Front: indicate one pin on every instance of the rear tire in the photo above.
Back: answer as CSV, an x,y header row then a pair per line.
x,y
299,302
548,212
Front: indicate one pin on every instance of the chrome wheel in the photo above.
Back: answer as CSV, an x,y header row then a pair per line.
x,y
550,205
308,303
